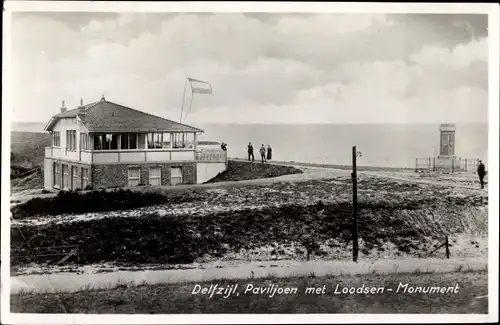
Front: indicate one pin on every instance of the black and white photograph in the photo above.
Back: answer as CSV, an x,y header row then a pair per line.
x,y
249,162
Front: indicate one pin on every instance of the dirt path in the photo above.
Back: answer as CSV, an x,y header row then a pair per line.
x,y
317,171
70,282
309,173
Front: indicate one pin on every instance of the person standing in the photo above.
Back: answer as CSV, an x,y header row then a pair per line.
x,y
263,153
269,152
481,171
250,152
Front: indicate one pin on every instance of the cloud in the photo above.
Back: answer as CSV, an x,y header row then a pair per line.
x,y
288,69
328,24
460,56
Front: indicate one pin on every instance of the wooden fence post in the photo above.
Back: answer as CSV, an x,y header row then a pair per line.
x,y
447,247
354,207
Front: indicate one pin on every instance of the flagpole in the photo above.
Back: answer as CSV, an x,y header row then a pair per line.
x,y
190,102
183,96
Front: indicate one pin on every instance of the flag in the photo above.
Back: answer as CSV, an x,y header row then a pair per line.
x,y
200,87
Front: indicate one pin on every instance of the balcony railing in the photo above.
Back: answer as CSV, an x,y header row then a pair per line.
x,y
213,155
137,156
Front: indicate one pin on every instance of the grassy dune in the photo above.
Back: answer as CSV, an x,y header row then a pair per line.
x,y
282,220
30,145
27,150
242,170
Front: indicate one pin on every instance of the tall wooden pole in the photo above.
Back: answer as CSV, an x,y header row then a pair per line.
x,y
447,244
354,207
183,96
190,103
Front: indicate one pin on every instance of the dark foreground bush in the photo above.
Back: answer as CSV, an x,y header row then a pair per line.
x,y
95,201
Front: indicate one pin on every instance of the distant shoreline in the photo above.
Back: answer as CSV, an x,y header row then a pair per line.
x,y
333,166
292,163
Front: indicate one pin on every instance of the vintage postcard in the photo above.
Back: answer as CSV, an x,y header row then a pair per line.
x,y
249,162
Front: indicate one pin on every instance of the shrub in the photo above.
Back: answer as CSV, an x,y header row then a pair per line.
x,y
95,201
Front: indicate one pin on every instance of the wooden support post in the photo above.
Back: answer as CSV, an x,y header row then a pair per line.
x,y
447,247
354,207
416,164
465,164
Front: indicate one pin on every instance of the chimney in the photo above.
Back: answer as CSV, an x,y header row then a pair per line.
x,y
81,108
63,107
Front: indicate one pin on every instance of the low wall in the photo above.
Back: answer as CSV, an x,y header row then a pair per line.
x,y
116,175
208,170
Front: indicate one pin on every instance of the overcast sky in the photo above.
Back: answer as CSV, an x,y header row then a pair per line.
x,y
264,68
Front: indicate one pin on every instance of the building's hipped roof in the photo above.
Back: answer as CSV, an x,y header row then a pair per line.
x,y
105,116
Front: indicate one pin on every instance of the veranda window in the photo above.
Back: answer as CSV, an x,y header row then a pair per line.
x,y
141,141
166,140
155,140
105,141
128,141
183,140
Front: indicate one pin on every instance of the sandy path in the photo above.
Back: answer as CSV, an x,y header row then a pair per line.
x,y
70,282
309,173
319,172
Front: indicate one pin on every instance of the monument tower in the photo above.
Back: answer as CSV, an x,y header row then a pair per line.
x,y
447,141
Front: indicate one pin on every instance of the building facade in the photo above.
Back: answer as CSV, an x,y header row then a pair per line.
x,y
104,144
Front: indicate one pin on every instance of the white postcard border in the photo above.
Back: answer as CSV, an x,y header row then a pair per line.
x,y
493,148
